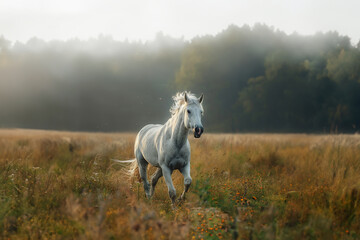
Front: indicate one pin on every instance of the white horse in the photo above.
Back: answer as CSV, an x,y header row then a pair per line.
x,y
167,146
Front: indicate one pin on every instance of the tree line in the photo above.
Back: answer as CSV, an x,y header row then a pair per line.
x,y
255,79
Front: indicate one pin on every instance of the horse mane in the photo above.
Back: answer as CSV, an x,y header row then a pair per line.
x,y
179,100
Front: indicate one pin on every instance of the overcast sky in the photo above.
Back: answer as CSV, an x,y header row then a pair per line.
x,y
141,20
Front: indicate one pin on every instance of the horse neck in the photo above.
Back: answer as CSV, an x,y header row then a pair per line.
x,y
179,132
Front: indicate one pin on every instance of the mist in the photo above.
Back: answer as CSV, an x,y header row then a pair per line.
x,y
255,79
95,85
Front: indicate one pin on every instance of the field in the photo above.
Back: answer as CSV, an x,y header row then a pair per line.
x,y
62,185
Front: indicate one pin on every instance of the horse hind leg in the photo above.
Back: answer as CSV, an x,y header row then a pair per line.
x,y
154,179
142,163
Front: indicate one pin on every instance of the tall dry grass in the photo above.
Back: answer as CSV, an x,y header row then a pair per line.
x,y
62,185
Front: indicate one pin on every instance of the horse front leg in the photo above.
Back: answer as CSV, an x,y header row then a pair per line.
x,y
167,175
187,180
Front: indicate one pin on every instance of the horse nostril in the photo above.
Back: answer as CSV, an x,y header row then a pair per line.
x,y
196,129
202,129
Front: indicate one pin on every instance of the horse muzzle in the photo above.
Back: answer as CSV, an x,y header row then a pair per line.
x,y
198,131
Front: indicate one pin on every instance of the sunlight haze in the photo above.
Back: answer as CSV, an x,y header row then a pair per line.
x,y
135,20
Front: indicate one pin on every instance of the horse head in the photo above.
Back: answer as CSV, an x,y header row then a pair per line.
x,y
193,114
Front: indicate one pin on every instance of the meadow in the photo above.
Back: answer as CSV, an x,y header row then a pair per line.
x,y
63,185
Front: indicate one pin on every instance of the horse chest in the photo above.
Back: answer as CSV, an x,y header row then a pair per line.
x,y
177,159
177,163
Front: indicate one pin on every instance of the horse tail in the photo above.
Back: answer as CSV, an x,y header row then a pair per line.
x,y
124,161
131,172
133,167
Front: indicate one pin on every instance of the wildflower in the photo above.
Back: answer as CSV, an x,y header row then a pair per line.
x,y
254,198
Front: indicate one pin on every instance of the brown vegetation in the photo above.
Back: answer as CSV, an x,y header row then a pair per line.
x,y
57,185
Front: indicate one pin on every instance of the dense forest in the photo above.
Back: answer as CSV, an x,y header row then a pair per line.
x,y
255,79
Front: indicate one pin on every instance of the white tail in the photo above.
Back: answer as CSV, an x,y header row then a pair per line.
x,y
123,161
133,166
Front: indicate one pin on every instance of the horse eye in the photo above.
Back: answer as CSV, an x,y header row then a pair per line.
x,y
188,111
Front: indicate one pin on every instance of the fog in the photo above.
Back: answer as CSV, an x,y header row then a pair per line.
x,y
254,78
97,85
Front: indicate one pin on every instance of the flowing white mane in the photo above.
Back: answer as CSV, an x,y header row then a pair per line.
x,y
179,100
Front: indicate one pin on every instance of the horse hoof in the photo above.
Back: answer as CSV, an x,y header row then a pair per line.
x,y
182,197
148,195
151,193
180,201
174,207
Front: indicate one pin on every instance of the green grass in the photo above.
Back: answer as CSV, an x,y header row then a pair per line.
x,y
62,185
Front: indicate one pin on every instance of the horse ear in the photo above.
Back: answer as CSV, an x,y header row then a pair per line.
x,y
186,97
201,98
